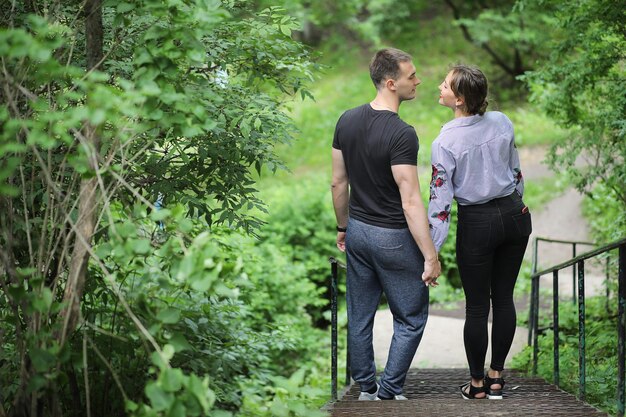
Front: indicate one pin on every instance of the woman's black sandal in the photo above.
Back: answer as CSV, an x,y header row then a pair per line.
x,y
471,394
494,394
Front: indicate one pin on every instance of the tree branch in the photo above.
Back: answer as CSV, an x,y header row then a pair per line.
x,y
468,36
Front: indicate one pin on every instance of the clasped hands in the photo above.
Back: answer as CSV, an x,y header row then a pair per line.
x,y
432,270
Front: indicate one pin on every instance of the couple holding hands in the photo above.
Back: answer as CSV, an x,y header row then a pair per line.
x,y
391,239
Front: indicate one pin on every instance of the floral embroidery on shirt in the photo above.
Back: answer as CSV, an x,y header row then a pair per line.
x,y
444,215
437,180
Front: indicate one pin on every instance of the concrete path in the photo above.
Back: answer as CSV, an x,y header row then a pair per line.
x,y
441,346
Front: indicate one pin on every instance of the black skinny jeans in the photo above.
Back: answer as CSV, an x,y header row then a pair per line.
x,y
490,244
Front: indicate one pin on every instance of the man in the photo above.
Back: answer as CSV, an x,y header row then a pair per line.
x,y
386,236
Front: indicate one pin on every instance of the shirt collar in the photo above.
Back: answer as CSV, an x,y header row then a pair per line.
x,y
462,121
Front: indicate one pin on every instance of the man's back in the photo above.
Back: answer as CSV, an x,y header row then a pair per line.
x,y
371,141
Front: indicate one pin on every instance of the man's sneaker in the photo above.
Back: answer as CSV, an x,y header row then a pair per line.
x,y
366,396
396,397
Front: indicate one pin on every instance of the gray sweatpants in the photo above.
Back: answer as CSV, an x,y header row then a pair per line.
x,y
381,259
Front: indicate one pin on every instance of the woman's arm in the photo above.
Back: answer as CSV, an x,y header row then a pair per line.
x,y
441,194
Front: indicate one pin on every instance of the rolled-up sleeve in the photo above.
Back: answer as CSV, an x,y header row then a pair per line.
x,y
441,194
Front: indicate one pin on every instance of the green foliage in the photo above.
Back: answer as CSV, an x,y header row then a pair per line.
x,y
347,22
605,214
301,218
601,351
508,37
177,316
580,86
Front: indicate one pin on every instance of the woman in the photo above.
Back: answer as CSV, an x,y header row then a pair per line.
x,y
474,161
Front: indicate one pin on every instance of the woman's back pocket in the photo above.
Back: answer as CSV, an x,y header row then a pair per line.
x,y
523,222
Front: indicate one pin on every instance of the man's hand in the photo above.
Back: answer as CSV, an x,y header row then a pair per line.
x,y
432,270
341,241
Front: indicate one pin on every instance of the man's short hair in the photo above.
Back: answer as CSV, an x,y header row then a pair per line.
x,y
386,64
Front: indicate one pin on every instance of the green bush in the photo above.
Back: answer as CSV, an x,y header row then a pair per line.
x,y
106,303
601,351
605,214
301,222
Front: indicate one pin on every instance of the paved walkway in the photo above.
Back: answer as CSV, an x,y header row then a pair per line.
x,y
442,343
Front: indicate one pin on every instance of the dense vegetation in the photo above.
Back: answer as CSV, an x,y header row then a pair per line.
x,y
143,274
110,305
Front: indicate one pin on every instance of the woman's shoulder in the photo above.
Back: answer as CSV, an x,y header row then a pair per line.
x,y
496,115
498,118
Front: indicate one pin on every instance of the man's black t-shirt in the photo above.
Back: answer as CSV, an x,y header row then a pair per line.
x,y
371,141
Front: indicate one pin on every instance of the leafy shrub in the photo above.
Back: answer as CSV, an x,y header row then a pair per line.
x,y
605,214
107,303
601,351
301,222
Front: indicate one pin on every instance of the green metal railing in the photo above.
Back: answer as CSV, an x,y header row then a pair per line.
x,y
335,265
579,263
535,264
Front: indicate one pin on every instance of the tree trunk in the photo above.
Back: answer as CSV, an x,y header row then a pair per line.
x,y
86,222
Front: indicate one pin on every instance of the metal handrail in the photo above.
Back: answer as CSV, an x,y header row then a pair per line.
x,y
535,263
334,281
579,261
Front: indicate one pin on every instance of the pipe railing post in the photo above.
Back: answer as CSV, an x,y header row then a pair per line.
x,y
348,373
606,283
535,323
555,319
573,274
531,308
581,330
621,330
333,323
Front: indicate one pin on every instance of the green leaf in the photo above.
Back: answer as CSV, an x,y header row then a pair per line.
x,y
131,406
202,283
160,214
43,302
125,7
200,390
169,315
286,30
42,359
9,190
172,379
159,399
142,246
179,410
179,342
39,138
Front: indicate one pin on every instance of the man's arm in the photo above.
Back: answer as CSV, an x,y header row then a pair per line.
x,y
415,213
339,189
